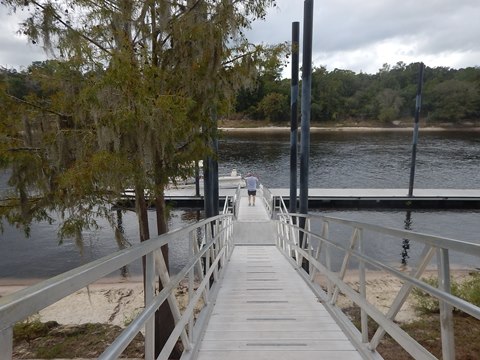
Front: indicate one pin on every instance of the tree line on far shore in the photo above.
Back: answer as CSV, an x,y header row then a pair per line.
x,y
449,95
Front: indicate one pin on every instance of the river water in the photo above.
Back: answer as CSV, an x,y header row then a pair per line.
x,y
337,160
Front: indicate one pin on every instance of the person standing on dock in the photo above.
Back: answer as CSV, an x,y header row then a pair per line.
x,y
252,183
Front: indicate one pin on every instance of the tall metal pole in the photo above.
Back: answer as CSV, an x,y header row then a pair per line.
x,y
293,117
210,171
418,105
215,195
306,105
197,179
207,187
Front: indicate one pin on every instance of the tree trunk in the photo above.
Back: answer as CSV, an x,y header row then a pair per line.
x,y
142,215
164,321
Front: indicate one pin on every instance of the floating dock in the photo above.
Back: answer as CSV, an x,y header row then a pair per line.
x,y
439,199
355,198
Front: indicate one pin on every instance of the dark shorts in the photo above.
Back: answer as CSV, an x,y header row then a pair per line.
x,y
252,192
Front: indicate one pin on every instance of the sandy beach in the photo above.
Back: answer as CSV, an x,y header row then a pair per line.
x,y
117,302
112,302
316,129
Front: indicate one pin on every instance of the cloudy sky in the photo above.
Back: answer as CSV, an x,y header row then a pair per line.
x,y
360,35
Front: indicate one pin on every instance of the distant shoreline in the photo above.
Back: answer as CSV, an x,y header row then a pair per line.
x,y
285,129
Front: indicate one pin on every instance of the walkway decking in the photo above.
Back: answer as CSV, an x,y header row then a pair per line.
x,y
257,213
253,225
264,310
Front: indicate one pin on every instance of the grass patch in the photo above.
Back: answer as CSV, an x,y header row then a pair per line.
x,y
467,289
426,328
426,331
33,339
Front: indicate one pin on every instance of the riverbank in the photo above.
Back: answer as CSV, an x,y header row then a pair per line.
x,y
405,125
84,323
360,129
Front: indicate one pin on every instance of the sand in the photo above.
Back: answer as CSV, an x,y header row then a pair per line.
x,y
117,302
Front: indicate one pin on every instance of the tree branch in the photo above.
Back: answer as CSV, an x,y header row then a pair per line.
x,y
24,149
238,57
37,106
59,19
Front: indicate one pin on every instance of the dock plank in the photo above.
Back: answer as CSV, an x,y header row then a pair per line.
x,y
252,213
278,318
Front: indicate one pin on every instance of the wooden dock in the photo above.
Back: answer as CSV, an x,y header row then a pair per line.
x,y
264,309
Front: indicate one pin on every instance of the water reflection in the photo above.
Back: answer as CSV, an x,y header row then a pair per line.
x,y
41,256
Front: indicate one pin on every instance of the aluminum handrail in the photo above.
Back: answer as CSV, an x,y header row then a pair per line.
x,y
335,283
226,208
433,240
218,247
282,209
267,199
236,201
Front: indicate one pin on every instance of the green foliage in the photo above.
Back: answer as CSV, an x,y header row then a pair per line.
x,y
128,103
52,341
274,107
468,289
31,329
390,94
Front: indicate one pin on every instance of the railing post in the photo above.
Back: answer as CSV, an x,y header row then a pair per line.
x,y
363,288
172,301
6,343
289,241
149,295
323,235
191,276
208,237
446,315
223,242
215,250
308,242
200,270
286,238
298,255
227,224
346,258
279,234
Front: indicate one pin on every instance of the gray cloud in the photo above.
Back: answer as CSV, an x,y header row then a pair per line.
x,y
354,34
14,48
365,34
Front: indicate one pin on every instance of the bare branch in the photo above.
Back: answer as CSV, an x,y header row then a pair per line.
x,y
238,57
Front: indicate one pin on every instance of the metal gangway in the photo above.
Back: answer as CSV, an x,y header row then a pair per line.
x,y
255,273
